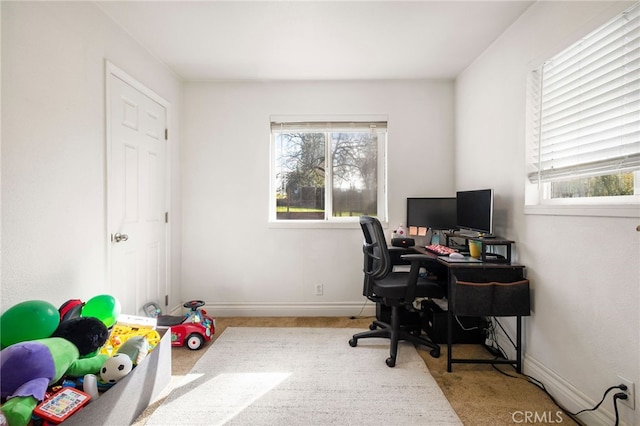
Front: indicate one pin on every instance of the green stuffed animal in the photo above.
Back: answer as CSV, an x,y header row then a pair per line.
x,y
27,369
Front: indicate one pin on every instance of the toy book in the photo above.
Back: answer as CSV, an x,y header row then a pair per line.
x,y
61,405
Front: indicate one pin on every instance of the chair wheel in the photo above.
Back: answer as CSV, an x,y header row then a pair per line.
x,y
372,326
435,353
391,362
353,342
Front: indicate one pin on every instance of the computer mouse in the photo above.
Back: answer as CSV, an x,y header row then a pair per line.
x,y
456,255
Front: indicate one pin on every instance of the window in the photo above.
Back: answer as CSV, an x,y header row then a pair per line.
x,y
328,171
584,119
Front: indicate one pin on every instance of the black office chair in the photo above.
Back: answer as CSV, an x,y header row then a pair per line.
x,y
396,290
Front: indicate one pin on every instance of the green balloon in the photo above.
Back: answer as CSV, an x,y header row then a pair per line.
x,y
30,320
104,307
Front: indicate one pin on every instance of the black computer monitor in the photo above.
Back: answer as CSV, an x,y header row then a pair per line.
x,y
475,210
434,213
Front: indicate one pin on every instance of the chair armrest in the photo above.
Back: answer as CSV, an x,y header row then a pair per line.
x,y
396,254
411,257
417,260
394,249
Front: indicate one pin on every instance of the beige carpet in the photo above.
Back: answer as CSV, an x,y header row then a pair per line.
x,y
478,393
305,376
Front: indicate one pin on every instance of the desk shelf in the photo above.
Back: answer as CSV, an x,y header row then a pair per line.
x,y
484,243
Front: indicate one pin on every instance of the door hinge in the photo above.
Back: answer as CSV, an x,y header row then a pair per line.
x,y
166,300
166,217
166,134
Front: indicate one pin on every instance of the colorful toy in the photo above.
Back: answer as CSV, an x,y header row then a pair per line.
x,y
190,330
136,348
72,308
27,369
115,368
29,320
122,333
104,307
61,405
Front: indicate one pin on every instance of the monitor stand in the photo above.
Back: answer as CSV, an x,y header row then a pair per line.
x,y
471,234
467,234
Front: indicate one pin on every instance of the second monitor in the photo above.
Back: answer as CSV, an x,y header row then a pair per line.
x,y
435,213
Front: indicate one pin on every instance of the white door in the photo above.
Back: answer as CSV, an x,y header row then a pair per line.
x,y
137,171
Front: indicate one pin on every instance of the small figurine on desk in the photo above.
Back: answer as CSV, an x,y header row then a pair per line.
x,y
399,232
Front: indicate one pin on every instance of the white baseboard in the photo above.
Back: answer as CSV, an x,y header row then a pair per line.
x,y
355,309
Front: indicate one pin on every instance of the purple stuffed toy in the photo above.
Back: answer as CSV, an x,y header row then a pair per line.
x,y
27,369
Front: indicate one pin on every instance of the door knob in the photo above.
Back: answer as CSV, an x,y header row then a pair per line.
x,y
120,237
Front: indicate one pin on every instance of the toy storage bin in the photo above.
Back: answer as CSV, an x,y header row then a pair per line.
x,y
127,399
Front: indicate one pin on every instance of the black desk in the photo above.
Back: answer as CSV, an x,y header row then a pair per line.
x,y
482,272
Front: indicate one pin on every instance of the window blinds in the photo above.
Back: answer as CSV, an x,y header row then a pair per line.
x,y
586,111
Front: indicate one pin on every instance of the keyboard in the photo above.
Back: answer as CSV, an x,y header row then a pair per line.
x,y
440,249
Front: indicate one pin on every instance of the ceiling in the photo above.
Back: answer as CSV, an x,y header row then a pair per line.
x,y
315,40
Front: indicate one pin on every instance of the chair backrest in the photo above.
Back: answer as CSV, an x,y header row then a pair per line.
x,y
377,261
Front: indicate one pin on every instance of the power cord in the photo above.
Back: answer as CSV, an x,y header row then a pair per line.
x,y
492,335
540,385
462,327
537,383
361,309
621,387
491,331
616,397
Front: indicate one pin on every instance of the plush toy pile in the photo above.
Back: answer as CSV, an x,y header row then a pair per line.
x,y
44,348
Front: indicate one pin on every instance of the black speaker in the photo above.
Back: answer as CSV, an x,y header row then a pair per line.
x,y
403,242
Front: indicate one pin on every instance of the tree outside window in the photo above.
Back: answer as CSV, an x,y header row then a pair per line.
x,y
308,161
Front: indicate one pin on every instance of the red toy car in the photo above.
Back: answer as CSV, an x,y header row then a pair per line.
x,y
190,330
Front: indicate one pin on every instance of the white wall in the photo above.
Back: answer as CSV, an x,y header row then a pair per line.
x,y
54,236
585,271
231,257
584,328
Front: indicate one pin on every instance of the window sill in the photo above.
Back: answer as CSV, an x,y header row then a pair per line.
x,y
622,210
318,224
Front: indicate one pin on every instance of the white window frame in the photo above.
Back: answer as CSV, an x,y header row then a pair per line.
x,y
535,200
329,221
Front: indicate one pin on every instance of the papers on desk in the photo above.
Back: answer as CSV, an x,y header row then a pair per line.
x,y
466,259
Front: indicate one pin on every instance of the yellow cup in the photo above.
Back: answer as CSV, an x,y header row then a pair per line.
x,y
475,248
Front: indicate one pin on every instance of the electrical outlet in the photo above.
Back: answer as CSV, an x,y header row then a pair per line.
x,y
631,393
319,289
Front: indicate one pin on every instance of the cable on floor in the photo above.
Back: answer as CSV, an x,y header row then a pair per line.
x,y
361,309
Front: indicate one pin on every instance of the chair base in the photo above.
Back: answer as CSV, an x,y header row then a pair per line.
x,y
396,333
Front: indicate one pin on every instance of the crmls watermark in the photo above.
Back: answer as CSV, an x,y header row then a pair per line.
x,y
532,417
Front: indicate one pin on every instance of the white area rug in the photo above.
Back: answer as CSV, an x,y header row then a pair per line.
x,y
305,376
